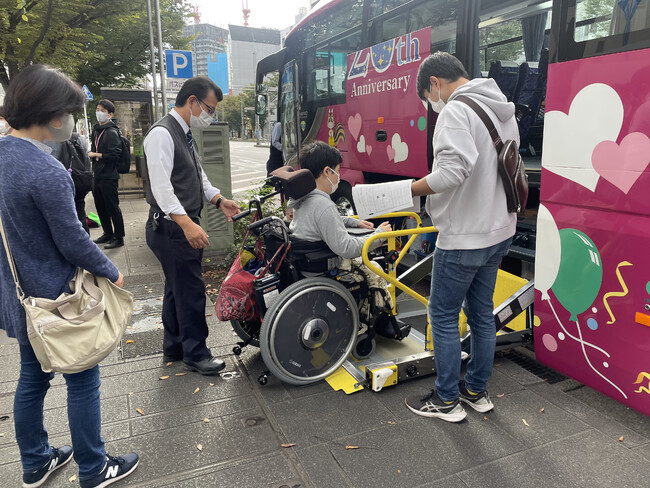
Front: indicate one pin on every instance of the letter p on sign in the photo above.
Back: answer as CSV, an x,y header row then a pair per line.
x,y
179,64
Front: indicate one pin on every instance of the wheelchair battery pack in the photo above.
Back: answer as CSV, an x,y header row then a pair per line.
x,y
267,291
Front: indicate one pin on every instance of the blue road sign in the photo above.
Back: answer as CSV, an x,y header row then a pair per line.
x,y
89,96
179,64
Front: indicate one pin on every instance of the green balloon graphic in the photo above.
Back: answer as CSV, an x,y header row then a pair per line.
x,y
581,272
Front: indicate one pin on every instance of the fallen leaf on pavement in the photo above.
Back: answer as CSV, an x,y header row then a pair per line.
x,y
525,423
484,418
541,410
199,447
140,411
208,315
352,447
197,390
181,374
501,395
169,363
287,445
206,420
164,377
399,471
130,341
620,439
211,384
391,423
72,478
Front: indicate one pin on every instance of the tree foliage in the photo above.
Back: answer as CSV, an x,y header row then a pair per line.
x,y
96,42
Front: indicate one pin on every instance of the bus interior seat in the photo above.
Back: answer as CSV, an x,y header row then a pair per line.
x,y
506,75
530,96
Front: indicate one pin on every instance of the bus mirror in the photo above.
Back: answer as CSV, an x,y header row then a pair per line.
x,y
260,104
262,88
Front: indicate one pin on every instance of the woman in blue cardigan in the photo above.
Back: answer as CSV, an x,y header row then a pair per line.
x,y
48,244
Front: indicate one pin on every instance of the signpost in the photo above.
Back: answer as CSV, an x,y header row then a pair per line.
x,y
179,64
89,97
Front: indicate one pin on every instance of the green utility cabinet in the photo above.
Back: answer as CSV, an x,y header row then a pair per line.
x,y
214,152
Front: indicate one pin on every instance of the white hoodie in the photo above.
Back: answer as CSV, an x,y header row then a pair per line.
x,y
469,205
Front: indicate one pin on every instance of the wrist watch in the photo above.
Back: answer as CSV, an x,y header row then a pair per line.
x,y
219,200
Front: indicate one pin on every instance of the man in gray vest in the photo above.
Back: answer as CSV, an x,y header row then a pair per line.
x,y
177,188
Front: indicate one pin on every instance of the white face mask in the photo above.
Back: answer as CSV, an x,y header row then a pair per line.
x,y
440,104
63,133
202,121
338,180
4,127
101,117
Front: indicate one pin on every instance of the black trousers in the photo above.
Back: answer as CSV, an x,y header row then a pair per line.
x,y
108,207
80,206
183,313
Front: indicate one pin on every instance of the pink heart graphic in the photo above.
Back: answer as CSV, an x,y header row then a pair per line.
x,y
368,150
391,153
354,124
622,165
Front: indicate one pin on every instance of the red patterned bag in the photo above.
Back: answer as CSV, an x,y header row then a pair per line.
x,y
236,300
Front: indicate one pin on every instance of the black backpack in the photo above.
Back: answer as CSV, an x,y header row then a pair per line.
x,y
78,164
124,163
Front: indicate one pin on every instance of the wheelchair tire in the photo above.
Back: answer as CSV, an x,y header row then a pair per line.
x,y
249,332
309,331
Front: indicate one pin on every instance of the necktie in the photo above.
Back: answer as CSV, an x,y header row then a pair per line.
x,y
190,141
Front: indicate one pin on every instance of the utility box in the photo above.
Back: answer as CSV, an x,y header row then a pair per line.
x,y
214,152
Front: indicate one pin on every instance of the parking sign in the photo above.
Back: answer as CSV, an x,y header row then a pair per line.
x,y
179,64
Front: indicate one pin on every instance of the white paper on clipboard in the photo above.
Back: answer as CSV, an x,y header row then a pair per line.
x,y
381,198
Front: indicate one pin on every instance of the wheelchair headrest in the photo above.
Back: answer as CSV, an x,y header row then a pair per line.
x,y
293,183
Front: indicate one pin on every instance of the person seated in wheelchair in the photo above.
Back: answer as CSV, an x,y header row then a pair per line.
x,y
316,218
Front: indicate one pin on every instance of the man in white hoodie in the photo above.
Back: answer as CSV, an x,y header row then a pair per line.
x,y
467,204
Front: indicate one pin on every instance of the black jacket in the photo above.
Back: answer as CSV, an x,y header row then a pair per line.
x,y
110,147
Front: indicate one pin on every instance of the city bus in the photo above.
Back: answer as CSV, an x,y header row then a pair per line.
x,y
578,73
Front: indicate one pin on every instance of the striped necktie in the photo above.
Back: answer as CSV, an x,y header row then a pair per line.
x,y
190,141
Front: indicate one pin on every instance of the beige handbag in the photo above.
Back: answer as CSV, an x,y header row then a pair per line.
x,y
77,330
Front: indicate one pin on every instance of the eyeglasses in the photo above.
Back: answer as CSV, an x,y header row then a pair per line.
x,y
211,110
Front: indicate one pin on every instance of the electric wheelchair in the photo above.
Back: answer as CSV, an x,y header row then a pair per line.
x,y
311,314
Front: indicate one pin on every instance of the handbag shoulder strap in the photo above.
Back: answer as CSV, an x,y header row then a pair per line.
x,y
494,133
10,258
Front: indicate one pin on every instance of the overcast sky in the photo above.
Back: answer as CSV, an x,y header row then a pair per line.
x,y
276,14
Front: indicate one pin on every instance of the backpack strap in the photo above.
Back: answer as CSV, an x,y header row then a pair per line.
x,y
494,133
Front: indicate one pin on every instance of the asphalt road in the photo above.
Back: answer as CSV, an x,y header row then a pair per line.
x,y
248,163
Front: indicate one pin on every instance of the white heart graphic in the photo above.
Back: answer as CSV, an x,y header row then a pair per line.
x,y
361,145
401,148
596,115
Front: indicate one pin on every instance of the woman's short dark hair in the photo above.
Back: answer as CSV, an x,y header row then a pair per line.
x,y
107,104
39,94
200,87
441,65
317,156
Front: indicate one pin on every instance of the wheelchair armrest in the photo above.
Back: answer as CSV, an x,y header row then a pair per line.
x,y
310,256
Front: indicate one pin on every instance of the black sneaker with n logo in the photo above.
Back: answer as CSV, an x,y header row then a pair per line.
x,y
115,469
59,457
431,405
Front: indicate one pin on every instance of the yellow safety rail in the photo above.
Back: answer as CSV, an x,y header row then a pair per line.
x,y
391,276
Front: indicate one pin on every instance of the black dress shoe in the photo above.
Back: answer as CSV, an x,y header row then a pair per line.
x,y
172,359
114,242
207,366
104,238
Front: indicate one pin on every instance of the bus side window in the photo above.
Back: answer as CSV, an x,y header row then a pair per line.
x,y
608,18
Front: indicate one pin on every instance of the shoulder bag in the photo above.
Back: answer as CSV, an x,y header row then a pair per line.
x,y
511,167
77,330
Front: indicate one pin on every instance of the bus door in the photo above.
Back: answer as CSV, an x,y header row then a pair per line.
x,y
290,110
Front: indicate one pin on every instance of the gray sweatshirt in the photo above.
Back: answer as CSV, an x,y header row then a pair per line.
x,y
469,204
315,218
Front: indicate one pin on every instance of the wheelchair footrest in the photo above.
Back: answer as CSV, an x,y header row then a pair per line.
x,y
391,327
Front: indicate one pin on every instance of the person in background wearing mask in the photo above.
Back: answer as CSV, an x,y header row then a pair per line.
x,y
4,127
176,191
467,204
105,152
48,244
275,160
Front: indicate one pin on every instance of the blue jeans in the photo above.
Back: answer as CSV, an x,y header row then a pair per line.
x,y
458,275
83,416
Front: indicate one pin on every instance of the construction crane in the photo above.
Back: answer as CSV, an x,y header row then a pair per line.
x,y
245,10
197,16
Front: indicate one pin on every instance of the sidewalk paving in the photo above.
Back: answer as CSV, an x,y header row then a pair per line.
x,y
580,439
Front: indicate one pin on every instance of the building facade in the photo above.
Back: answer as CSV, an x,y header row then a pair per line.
x,y
246,47
209,41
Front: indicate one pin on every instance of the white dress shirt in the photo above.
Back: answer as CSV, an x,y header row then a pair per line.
x,y
159,148
275,136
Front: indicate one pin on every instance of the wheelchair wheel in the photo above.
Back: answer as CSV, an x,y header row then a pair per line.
x,y
249,332
309,331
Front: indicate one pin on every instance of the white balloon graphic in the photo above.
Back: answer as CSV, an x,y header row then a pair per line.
x,y
548,252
